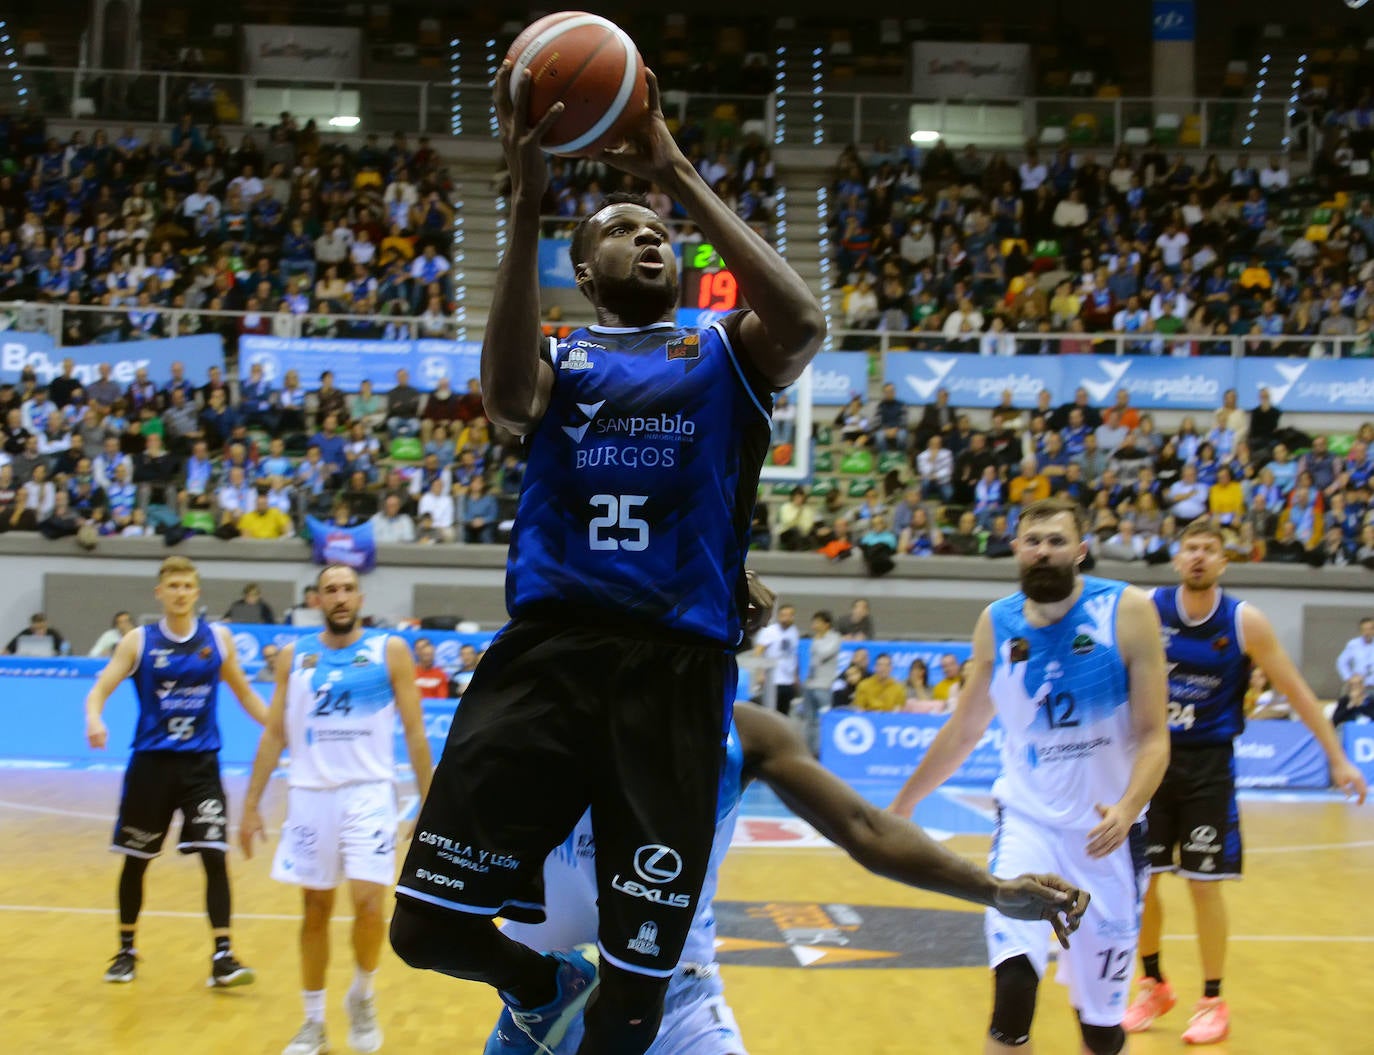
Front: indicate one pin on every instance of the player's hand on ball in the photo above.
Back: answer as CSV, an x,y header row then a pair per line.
x,y
1346,776
97,735
529,173
761,600
649,152
250,828
1111,833
1044,897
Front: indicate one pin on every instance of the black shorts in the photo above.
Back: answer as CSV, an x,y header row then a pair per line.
x,y
157,784
1195,812
560,718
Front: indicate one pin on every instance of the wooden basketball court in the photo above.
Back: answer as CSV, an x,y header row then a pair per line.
x,y
820,957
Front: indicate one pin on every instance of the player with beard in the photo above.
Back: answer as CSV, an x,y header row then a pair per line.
x,y
337,698
612,686
1073,669
1210,640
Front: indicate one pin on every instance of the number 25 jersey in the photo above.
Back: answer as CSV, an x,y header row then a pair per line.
x,y
1063,698
641,482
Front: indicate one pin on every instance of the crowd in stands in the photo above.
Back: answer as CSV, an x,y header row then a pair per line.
x,y
933,484
971,250
253,459
743,176
279,224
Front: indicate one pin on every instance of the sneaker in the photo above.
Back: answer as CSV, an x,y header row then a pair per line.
x,y
309,1041
540,1030
227,973
1210,1023
363,1032
1153,1000
122,967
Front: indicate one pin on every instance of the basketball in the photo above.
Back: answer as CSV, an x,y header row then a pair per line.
x,y
593,68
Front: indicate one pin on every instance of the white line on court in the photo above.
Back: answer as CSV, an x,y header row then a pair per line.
x,y
76,910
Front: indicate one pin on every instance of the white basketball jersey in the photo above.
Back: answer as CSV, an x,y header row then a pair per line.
x,y
340,713
1063,698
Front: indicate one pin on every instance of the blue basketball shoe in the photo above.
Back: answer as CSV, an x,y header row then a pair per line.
x,y
539,1031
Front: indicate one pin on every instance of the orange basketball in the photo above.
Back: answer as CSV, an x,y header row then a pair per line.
x,y
593,68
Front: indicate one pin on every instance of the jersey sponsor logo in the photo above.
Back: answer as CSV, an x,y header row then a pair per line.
x,y
687,346
1100,610
656,863
651,894
646,942
626,457
161,663
576,359
210,811
426,876
137,838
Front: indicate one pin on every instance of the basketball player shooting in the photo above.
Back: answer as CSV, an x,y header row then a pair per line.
x,y
614,682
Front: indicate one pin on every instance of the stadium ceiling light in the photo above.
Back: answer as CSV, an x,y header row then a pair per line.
x,y
925,135
345,121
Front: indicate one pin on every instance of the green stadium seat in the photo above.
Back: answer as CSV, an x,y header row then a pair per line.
x,y
1046,247
824,437
824,463
822,488
1339,443
406,449
891,460
859,488
1320,216
201,520
857,462
781,490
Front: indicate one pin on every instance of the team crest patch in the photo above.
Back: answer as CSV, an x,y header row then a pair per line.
x,y
1082,645
360,660
309,662
1020,650
204,653
688,346
1221,644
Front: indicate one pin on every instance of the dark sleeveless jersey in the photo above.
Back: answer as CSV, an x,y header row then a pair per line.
x,y
1209,671
641,482
177,684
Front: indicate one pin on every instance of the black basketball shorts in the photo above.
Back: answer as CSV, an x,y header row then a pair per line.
x,y
157,785
560,718
1194,815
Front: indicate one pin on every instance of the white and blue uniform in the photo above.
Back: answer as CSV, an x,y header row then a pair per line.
x,y
696,1018
1063,698
340,731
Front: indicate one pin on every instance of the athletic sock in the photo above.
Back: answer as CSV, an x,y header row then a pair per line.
x,y
126,941
1151,963
362,983
314,1005
221,946
1211,989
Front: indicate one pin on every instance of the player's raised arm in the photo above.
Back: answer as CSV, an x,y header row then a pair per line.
x,y
1140,640
787,325
122,663
516,382
1262,646
886,845
270,747
961,732
231,672
401,666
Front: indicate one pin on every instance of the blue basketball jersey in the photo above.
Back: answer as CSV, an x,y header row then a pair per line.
x,y
176,684
641,481
1208,670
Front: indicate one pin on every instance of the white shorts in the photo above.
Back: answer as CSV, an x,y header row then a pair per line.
x,y
338,833
1097,967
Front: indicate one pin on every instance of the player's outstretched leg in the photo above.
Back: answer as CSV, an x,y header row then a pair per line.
x,y
124,964
624,1013
369,927
225,970
318,908
1155,996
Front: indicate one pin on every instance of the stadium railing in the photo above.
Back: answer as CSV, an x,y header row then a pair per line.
x,y
813,117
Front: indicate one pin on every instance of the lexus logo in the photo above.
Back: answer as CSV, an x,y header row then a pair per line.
x,y
657,864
